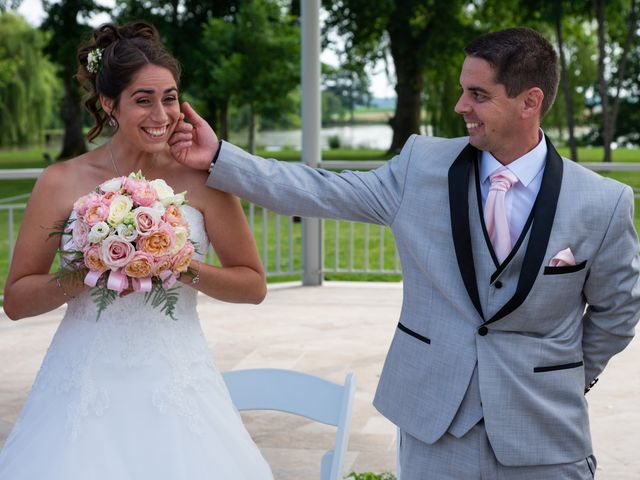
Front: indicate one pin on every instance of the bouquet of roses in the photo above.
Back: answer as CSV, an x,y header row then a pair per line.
x,y
129,233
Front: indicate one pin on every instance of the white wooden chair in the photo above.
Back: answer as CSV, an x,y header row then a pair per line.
x,y
301,394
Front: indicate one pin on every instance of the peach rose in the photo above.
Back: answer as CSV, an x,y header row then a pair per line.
x,y
82,204
182,259
96,212
161,264
93,259
140,266
158,243
173,216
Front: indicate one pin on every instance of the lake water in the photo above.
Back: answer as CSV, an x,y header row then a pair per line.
x,y
358,136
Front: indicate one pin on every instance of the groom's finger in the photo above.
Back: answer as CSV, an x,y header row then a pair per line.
x,y
180,137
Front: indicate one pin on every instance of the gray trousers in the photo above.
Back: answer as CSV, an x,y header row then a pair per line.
x,y
471,458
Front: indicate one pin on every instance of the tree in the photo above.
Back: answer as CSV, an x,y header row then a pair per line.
x,y
27,82
624,42
261,68
419,34
65,35
349,83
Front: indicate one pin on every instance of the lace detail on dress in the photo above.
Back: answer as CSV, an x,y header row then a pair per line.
x,y
135,345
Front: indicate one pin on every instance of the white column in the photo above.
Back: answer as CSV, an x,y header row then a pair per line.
x,y
311,227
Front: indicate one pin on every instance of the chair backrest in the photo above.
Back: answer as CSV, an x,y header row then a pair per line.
x,y
301,394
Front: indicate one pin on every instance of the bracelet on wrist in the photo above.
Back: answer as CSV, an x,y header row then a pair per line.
x,y
195,275
61,287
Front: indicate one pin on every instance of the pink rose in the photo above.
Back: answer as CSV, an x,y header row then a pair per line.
x,y
97,211
80,231
132,184
145,195
181,260
82,204
116,252
147,220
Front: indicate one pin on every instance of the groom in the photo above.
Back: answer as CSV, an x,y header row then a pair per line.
x,y
520,270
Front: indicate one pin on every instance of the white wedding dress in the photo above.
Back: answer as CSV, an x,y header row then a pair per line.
x,y
132,396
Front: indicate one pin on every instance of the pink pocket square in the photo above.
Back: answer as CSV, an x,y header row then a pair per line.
x,y
563,258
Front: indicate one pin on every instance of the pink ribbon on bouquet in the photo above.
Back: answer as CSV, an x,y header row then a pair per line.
x,y
141,284
91,279
117,281
168,279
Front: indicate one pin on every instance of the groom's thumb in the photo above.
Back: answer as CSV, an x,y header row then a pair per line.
x,y
191,115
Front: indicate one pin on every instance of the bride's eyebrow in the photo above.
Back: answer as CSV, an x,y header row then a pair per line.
x,y
151,91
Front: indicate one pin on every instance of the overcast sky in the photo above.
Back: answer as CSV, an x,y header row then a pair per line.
x,y
33,12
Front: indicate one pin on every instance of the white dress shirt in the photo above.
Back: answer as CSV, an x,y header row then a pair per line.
x,y
520,198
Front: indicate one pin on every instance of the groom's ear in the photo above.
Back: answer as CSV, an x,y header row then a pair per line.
x,y
532,102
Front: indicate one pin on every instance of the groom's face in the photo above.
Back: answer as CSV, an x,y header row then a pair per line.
x,y
493,120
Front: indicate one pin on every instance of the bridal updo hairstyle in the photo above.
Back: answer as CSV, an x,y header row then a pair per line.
x,y
125,50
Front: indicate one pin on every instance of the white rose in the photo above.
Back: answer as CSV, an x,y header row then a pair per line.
x,y
177,199
113,185
127,232
158,206
182,235
120,206
162,189
98,232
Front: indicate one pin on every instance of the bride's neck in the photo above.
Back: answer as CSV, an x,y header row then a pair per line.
x,y
125,158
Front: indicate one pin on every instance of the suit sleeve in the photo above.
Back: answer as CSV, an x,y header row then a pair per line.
x,y
296,189
612,291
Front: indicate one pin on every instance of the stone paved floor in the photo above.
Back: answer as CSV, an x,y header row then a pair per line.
x,y
327,331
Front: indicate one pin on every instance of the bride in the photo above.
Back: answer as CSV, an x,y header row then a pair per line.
x,y
134,395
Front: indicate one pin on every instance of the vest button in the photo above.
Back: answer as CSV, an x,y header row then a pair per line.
x,y
498,284
482,331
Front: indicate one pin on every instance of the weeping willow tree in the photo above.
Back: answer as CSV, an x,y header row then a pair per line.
x,y
27,82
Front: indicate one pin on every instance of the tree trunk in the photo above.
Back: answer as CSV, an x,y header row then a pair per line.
x,y
566,89
602,82
73,143
224,120
629,41
406,120
252,130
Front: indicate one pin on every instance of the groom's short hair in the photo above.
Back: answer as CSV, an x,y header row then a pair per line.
x,y
522,59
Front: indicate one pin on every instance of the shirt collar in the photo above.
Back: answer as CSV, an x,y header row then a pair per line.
x,y
526,168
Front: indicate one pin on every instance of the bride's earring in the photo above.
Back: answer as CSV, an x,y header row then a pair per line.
x,y
112,121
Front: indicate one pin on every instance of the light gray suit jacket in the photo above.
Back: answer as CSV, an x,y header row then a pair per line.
x,y
515,337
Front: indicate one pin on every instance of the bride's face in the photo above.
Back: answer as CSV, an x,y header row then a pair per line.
x,y
149,110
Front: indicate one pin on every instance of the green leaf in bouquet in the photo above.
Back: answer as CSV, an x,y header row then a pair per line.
x,y
161,297
103,297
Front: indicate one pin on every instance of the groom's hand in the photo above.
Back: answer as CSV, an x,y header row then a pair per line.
x,y
195,143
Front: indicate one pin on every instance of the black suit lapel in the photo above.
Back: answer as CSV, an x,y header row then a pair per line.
x,y
459,174
544,210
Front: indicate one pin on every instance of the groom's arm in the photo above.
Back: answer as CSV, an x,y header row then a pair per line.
x,y
612,291
296,189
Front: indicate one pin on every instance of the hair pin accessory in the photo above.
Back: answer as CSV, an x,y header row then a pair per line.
x,y
94,60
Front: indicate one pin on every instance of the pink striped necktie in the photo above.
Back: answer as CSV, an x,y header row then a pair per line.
x,y
495,212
